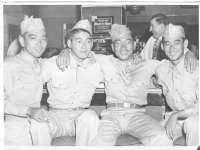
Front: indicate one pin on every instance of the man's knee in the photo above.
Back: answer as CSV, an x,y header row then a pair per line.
x,y
89,115
161,139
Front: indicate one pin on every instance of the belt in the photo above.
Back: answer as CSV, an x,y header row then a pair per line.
x,y
68,109
16,119
124,105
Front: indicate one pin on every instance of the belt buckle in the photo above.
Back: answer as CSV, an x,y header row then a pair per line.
x,y
70,109
127,105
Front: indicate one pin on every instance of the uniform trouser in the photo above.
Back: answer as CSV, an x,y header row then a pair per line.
x,y
116,121
17,133
189,126
83,124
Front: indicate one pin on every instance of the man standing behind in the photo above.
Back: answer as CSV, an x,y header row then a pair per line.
x,y
23,84
180,88
70,93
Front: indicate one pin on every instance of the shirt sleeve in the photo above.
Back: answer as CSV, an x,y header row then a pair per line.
x,y
48,66
102,59
195,108
153,64
10,107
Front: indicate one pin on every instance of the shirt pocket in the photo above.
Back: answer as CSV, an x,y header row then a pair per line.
x,y
24,93
91,84
58,83
189,97
112,79
25,86
142,82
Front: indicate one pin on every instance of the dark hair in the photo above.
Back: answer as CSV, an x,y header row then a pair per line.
x,y
160,19
75,31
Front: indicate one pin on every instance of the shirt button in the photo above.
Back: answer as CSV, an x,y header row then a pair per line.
x,y
60,84
176,89
74,92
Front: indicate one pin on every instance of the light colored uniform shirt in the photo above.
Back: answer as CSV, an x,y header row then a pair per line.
x,y
23,84
75,86
180,87
131,86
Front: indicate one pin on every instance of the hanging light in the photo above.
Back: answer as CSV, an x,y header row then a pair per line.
x,y
135,9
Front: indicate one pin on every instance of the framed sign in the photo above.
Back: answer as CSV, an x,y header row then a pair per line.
x,y
102,24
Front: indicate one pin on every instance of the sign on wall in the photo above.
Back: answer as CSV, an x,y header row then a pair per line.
x,y
102,24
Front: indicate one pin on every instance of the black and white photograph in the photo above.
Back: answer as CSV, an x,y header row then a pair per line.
x,y
100,75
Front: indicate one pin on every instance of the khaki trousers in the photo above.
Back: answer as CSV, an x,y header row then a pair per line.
x,y
83,124
189,126
116,121
17,132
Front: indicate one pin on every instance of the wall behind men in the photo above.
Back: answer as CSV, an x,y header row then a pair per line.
x,y
54,16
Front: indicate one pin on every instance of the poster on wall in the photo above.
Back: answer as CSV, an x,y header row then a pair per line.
x,y
102,24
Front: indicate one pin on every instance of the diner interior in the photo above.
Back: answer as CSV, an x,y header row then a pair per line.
x,y
59,20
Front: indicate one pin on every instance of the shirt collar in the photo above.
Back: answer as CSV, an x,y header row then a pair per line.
x,y
179,67
121,63
74,64
29,59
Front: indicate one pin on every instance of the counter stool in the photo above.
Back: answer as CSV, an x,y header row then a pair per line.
x,y
122,140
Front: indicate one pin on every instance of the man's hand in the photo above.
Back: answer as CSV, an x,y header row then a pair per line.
x,y
190,61
136,58
63,59
154,82
170,126
39,114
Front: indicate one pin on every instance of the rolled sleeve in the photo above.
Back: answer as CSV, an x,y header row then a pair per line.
x,y
192,110
195,108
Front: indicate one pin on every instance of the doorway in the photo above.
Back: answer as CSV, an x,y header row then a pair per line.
x,y
13,32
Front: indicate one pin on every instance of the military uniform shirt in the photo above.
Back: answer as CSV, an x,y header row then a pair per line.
x,y
23,85
75,86
129,87
180,87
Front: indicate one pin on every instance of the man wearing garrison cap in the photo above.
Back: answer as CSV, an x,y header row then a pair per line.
x,y
23,84
126,86
180,88
70,93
